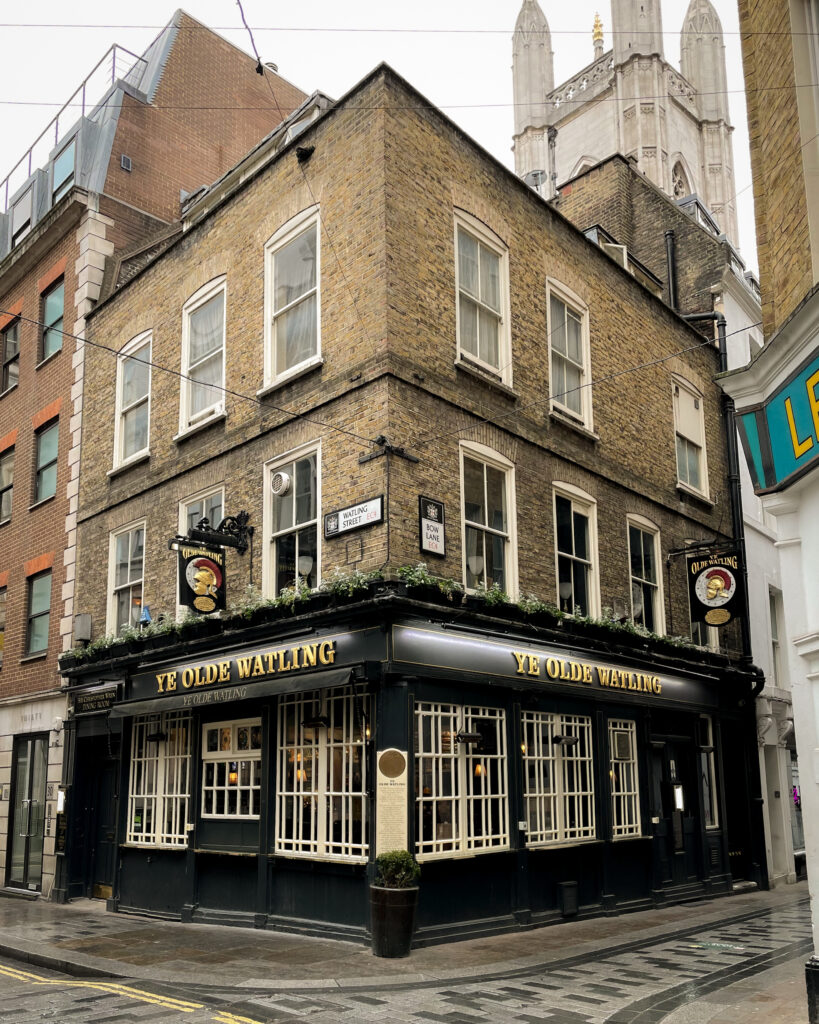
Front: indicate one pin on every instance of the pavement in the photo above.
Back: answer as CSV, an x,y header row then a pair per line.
x,y
731,960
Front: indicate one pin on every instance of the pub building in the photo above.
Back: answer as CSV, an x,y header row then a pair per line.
x,y
253,774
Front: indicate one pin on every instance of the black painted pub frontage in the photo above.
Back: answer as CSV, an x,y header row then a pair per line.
x,y
251,775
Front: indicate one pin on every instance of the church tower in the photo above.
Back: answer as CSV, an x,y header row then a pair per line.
x,y
532,80
637,28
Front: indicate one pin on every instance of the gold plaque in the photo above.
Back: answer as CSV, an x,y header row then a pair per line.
x,y
392,763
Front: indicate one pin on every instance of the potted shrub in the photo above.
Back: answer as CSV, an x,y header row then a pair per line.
x,y
393,899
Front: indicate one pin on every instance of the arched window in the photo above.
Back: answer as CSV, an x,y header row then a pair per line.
x,y
679,182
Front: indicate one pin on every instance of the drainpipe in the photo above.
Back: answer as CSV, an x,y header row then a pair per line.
x,y
671,265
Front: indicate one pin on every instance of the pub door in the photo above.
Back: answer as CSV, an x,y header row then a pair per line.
x,y
29,767
675,811
95,818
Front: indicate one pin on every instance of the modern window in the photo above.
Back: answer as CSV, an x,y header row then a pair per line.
x,y
10,339
203,362
708,777
133,399
558,777
159,785
45,476
689,426
482,284
646,591
321,778
487,486
53,303
293,486
576,551
39,612
21,217
568,328
125,577
64,170
3,594
6,484
625,783
292,277
232,769
461,789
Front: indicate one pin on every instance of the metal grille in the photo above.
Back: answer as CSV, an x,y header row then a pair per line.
x,y
461,787
159,786
321,799
558,777
625,785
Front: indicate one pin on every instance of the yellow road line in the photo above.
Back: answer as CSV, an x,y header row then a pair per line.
x,y
112,988
231,1018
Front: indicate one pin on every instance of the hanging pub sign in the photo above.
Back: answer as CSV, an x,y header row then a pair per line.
x,y
431,526
201,576
366,513
714,587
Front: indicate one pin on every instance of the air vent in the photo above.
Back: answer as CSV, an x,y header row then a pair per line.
x,y
280,484
622,745
125,162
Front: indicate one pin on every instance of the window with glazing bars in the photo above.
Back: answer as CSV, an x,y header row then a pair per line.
x,y
574,566
460,780
53,307
10,338
231,769
321,797
294,541
625,784
159,784
558,777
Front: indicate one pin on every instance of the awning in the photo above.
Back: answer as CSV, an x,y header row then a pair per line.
x,y
212,698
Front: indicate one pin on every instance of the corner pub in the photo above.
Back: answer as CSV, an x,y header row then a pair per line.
x,y
254,772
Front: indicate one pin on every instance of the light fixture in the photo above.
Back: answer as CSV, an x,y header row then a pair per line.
x,y
316,722
478,770
475,564
155,737
564,741
468,737
523,748
565,591
305,565
233,774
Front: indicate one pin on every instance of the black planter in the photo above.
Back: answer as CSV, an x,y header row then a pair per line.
x,y
392,920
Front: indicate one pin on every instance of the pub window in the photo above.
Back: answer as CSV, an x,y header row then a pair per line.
x,y
461,780
646,580
133,400
689,427
202,394
231,769
708,777
558,777
625,785
159,784
293,487
321,796
569,354
127,559
576,551
487,489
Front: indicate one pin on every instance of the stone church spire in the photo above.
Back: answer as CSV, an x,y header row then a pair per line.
x,y
702,59
637,27
532,66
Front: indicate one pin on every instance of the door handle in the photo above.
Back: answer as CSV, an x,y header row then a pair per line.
x,y
25,811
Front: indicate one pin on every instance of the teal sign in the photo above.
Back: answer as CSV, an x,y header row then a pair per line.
x,y
781,437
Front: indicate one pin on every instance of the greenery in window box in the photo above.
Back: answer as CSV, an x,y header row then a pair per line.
x,y
396,869
289,597
349,584
492,597
539,611
418,577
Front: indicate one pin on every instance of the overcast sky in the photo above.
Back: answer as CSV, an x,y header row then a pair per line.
x,y
458,53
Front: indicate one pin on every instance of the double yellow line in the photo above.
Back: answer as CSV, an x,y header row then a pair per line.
x,y
127,992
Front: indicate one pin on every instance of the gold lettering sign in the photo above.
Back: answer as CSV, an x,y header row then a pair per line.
x,y
569,671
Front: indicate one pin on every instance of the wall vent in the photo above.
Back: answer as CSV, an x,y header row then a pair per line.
x,y
125,162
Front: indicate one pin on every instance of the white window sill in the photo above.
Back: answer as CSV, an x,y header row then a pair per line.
x,y
154,845
8,391
48,359
289,855
38,656
690,492
577,425
286,378
461,854
194,428
562,844
486,376
628,839
42,501
129,463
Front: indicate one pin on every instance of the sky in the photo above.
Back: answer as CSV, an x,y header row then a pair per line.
x,y
458,53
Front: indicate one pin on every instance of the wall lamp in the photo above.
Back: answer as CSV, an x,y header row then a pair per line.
x,y
565,741
316,722
468,737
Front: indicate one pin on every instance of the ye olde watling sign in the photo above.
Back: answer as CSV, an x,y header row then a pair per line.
x,y
201,577
365,513
714,587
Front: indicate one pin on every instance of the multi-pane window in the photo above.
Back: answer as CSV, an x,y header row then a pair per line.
x,y
159,786
567,357
774,606
575,548
203,366
45,476
128,554
232,769
53,306
294,534
293,282
10,338
3,593
708,775
64,170
645,587
133,398
39,612
483,287
486,524
321,796
690,437
461,790
21,217
625,785
558,777
208,506
6,484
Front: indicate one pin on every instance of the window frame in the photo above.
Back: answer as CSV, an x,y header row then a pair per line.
x,y
31,616
189,422
128,352
112,626
20,233
626,820
61,188
483,235
5,455
645,526
584,503
678,385
708,761
571,301
489,457
4,595
7,361
171,763
39,469
50,327
182,529
301,223
270,539
229,756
